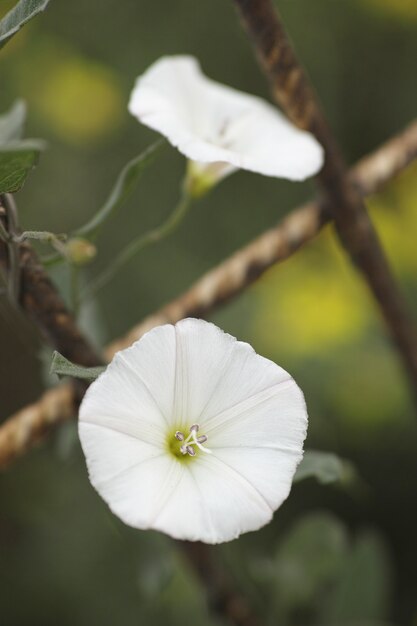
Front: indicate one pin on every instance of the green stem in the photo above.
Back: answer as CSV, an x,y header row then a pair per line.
x,y
74,288
137,245
40,235
123,188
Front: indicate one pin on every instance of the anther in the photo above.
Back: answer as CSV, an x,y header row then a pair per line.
x,y
194,428
179,435
202,439
190,450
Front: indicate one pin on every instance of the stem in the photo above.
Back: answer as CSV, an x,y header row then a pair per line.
x,y
4,235
13,284
137,245
40,235
74,288
124,186
295,94
210,292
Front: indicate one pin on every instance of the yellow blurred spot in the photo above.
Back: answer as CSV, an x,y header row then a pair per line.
x,y
311,305
78,98
316,301
81,100
404,9
362,378
395,216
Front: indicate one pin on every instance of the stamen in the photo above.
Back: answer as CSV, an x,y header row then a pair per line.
x,y
199,444
192,440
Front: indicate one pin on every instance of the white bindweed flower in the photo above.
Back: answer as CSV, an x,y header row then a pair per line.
x,y
219,128
192,433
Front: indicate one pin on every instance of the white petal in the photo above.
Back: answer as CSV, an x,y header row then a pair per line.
x,y
262,439
203,352
134,479
211,123
152,360
246,376
120,399
251,410
212,503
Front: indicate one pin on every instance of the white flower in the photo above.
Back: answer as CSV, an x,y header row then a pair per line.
x,y
218,128
192,433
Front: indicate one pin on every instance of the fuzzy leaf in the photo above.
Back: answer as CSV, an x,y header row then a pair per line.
x,y
21,13
324,467
62,367
12,122
16,161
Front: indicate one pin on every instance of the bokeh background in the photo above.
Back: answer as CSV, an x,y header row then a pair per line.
x,y
334,555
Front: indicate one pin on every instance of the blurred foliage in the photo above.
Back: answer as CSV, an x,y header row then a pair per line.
x,y
331,556
403,9
320,574
80,99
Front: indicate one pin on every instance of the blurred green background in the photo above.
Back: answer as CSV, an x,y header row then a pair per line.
x,y
333,555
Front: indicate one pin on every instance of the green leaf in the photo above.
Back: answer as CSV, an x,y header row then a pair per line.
x,y
16,161
12,122
62,367
362,593
21,13
309,558
123,188
324,467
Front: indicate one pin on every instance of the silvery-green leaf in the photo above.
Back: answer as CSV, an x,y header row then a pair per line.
x,y
63,367
21,13
12,122
325,467
16,161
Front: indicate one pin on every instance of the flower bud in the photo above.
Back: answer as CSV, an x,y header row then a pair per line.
x,y
80,251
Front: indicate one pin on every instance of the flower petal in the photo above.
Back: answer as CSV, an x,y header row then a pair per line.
x,y
133,478
251,410
211,123
212,503
214,371
152,360
120,399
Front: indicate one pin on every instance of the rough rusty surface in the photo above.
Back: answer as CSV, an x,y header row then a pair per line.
x,y
34,421
224,282
292,90
42,302
235,274
20,432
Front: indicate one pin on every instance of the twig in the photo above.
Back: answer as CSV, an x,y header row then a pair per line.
x,y
13,270
44,305
221,284
137,245
293,91
221,596
20,432
42,302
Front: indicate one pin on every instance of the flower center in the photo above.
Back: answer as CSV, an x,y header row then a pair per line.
x,y
188,443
